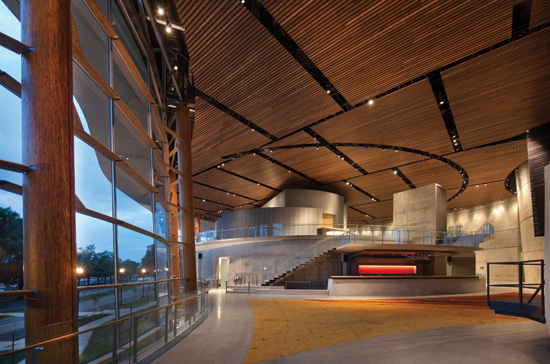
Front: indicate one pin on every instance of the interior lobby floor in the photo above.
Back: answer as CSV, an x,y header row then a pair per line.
x,y
226,334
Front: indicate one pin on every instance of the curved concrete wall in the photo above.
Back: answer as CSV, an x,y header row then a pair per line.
x,y
327,202
287,220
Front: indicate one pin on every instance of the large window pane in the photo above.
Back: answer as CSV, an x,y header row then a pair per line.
x,y
92,178
92,105
160,220
128,40
134,202
94,241
125,85
131,147
135,252
159,179
94,41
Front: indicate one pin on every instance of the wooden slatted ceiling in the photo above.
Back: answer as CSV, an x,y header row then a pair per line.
x,y
203,192
382,185
502,93
299,138
367,47
478,196
432,171
240,64
217,134
492,163
408,118
540,12
375,159
209,206
321,165
239,186
383,211
264,171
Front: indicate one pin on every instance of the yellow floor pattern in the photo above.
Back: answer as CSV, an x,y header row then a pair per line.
x,y
284,327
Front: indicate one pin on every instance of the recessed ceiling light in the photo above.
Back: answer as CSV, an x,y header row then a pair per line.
x,y
160,11
328,91
371,101
441,102
175,68
394,172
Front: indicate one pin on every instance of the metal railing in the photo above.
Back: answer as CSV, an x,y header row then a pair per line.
x,y
140,340
377,233
525,307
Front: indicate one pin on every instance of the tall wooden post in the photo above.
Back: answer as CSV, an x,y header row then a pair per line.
x,y
183,128
174,249
48,193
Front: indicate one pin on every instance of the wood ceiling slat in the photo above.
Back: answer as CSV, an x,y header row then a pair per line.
x,y
432,171
492,163
375,159
350,44
216,134
209,206
407,118
478,196
203,192
239,186
352,197
321,165
239,63
540,12
382,185
383,211
271,174
503,93
295,139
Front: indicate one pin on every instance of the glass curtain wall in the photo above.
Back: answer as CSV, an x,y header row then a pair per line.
x,y
120,174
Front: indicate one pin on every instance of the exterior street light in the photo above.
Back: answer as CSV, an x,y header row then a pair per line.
x,y
143,271
79,271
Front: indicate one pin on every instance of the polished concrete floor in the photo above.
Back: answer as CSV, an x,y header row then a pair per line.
x,y
224,337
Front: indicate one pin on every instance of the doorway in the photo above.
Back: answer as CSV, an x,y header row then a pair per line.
x,y
223,272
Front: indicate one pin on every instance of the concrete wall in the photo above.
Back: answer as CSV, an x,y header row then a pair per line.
x,y
249,256
504,247
547,236
421,208
288,218
404,287
327,202
532,247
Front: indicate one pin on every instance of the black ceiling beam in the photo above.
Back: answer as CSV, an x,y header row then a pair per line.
x,y
288,168
521,16
445,108
216,202
335,150
235,115
222,190
359,189
401,175
362,212
277,31
248,179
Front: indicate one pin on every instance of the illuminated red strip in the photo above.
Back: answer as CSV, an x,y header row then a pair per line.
x,y
387,269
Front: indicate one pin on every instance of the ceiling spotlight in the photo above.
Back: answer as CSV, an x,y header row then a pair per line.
x,y
441,102
328,91
160,11
168,27
175,68
395,172
242,1
252,129
371,101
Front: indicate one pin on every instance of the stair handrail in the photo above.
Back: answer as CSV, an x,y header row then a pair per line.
x,y
294,256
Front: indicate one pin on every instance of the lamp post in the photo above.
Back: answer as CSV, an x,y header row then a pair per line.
x,y
143,271
121,270
79,271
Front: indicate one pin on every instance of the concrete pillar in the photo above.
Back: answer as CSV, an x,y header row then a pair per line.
x,y
532,247
547,238
49,258
183,128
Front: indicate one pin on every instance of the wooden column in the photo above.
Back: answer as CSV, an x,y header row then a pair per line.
x,y
197,227
183,128
174,250
48,193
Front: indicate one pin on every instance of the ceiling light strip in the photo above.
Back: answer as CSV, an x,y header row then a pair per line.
x,y
361,212
278,32
404,178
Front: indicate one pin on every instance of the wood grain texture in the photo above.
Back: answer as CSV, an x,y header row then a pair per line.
x,y
48,192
